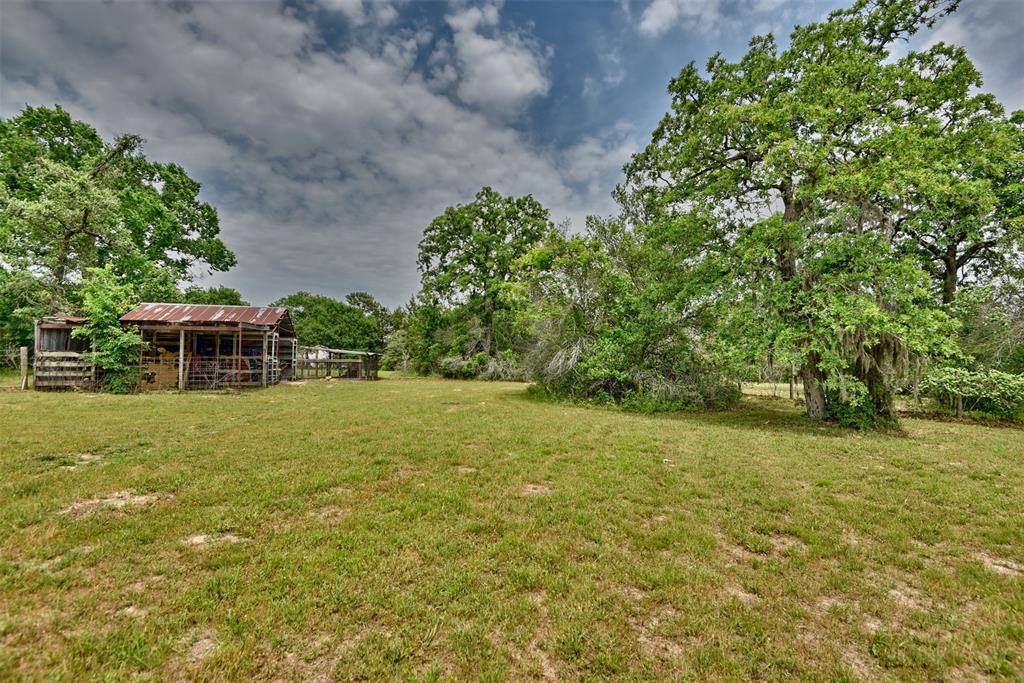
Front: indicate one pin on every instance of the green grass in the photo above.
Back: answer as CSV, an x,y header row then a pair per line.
x,y
424,529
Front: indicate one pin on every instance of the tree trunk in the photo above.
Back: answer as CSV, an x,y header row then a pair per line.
x,y
949,273
814,392
489,328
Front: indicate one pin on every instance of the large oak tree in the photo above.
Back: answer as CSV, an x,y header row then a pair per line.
x,y
790,179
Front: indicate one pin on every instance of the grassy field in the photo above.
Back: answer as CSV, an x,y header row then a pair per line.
x,y
426,529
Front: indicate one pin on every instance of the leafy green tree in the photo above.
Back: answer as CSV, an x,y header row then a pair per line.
x,y
469,252
398,352
323,321
22,300
969,223
214,296
69,202
366,303
780,184
105,298
606,328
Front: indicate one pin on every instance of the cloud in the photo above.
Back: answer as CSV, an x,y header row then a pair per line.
x,y
611,73
325,164
717,16
662,15
361,12
501,71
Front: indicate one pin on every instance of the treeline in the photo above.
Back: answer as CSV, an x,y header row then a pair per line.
x,y
93,227
827,208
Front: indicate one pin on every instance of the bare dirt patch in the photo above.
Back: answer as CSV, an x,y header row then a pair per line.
x,y
786,544
118,500
465,469
145,582
80,459
540,633
1000,565
134,612
907,597
656,520
744,596
535,490
203,540
200,649
331,513
652,641
826,603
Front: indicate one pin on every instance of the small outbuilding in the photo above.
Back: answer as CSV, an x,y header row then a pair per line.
x,y
191,346
61,360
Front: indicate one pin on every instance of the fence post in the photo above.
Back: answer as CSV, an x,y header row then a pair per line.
x,y
24,368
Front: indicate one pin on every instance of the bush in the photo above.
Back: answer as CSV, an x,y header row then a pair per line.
x,y
464,368
104,300
995,393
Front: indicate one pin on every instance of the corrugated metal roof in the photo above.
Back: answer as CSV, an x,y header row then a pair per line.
x,y
194,313
60,317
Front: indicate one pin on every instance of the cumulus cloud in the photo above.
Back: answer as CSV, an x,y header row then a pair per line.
x,y
325,164
501,71
715,16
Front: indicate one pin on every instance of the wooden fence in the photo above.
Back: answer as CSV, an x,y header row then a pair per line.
x,y
56,370
313,362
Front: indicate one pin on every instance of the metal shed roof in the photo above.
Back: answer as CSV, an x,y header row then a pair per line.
x,y
195,313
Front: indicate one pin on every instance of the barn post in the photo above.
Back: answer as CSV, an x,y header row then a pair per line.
x,y
238,358
24,368
263,380
181,359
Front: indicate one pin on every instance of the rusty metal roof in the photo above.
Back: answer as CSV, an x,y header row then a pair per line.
x,y
195,313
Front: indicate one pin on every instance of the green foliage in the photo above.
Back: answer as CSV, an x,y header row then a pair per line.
x,y
323,321
468,254
464,368
104,300
22,300
991,320
69,202
987,391
213,296
791,217
610,327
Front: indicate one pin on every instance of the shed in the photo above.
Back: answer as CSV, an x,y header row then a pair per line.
x,y
193,346
60,360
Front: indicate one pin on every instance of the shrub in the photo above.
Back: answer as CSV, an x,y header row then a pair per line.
x,y
104,300
996,393
464,368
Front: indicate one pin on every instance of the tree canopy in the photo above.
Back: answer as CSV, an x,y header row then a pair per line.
x,y
323,321
787,185
469,252
71,201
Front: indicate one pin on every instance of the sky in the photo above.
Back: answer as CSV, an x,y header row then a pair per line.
x,y
328,133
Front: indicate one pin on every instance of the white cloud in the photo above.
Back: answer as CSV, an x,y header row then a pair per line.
x,y
325,165
360,12
661,15
717,16
501,71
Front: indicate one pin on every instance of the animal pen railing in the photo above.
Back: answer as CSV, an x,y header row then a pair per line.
x,y
322,362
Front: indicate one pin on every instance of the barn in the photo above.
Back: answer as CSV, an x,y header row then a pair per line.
x,y
191,346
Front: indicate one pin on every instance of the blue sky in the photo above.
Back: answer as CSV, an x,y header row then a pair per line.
x,y
329,132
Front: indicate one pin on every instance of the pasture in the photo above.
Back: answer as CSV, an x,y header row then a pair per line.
x,y
429,529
